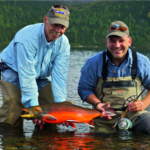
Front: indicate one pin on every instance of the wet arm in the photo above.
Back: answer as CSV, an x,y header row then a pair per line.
x,y
60,72
87,83
27,75
86,86
92,99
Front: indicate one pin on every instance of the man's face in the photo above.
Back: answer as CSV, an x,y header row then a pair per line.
x,y
53,31
118,47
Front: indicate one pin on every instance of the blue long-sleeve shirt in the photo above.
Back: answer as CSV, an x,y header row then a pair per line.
x,y
33,57
92,69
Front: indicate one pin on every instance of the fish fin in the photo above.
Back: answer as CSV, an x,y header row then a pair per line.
x,y
69,102
90,123
41,126
49,117
72,125
73,121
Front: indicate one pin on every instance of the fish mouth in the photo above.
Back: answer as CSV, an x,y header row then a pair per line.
x,y
27,114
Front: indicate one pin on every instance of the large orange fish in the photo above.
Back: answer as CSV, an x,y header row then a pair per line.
x,y
55,113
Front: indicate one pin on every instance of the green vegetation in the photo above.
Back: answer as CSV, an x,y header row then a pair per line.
x,y
88,22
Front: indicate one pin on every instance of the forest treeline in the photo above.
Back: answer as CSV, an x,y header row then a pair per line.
x,y
88,22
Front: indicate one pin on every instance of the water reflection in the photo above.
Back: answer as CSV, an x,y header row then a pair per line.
x,y
61,137
73,140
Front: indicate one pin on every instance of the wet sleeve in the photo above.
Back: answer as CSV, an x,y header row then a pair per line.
x,y
88,79
144,67
60,72
27,75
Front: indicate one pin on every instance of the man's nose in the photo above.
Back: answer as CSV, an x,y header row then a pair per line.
x,y
117,44
58,28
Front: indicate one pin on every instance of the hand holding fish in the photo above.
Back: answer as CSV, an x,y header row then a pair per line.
x,y
102,107
65,123
41,123
37,112
63,113
38,122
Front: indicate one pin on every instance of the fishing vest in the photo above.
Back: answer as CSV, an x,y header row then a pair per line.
x,y
118,91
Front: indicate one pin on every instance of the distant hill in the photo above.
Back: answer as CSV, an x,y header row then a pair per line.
x,y
88,21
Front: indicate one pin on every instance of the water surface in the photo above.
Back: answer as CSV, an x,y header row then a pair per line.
x,y
61,137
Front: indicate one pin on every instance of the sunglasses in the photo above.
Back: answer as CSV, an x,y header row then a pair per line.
x,y
117,27
60,6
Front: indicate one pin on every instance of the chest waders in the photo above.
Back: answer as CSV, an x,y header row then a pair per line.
x,y
12,106
118,91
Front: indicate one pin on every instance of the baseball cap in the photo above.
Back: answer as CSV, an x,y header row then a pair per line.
x,y
58,14
117,28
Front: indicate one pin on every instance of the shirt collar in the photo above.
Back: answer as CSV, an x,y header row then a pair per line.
x,y
129,58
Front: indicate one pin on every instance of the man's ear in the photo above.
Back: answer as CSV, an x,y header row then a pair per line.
x,y
130,41
44,19
106,41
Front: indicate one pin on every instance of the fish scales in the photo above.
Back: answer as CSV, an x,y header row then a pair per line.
x,y
50,108
64,112
55,113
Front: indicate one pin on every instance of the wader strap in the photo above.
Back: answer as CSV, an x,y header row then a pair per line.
x,y
134,65
105,66
133,68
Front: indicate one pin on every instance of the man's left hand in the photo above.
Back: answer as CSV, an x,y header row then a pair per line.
x,y
136,106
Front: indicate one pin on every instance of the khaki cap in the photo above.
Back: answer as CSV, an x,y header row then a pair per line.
x,y
58,15
117,32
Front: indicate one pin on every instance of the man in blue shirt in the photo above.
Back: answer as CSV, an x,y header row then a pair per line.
x,y
116,76
36,60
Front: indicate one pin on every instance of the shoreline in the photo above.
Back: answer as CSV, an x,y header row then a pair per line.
x,y
93,46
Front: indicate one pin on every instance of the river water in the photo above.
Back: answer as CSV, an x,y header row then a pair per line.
x,y
66,138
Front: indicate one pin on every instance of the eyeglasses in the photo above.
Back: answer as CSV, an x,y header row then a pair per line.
x,y
60,6
117,27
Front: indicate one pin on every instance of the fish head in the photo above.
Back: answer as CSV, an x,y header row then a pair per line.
x,y
30,113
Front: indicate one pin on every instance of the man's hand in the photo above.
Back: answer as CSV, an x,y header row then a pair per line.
x,y
136,106
101,109
38,122
64,123
37,111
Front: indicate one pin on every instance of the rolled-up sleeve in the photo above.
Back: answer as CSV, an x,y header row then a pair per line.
x,y
60,72
27,76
